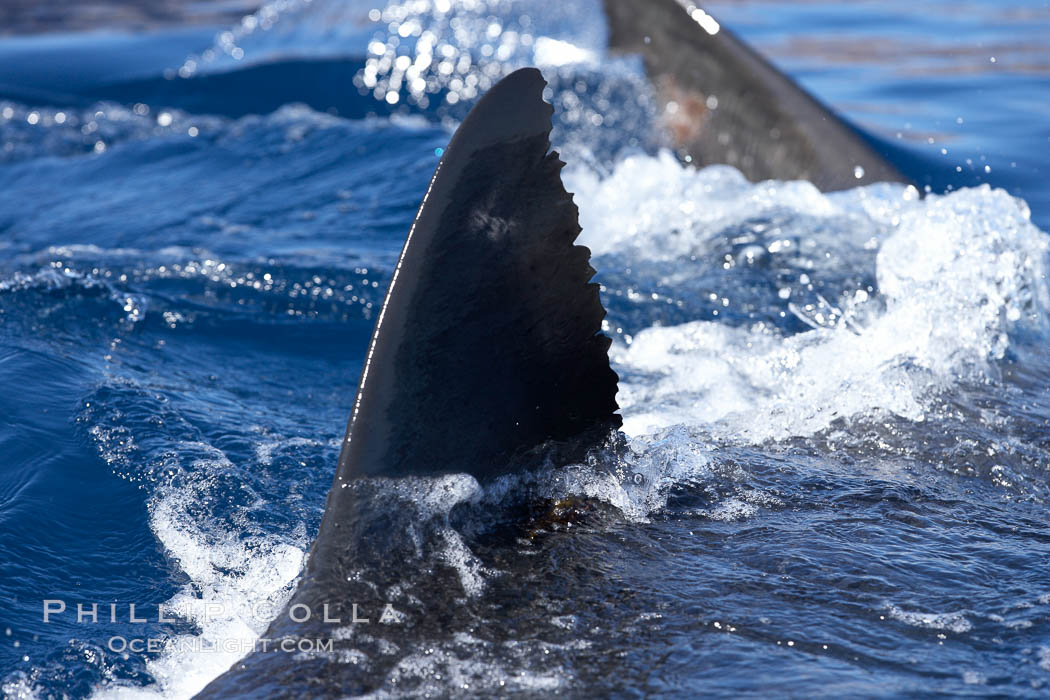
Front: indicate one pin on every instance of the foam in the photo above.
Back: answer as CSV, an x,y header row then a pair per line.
x,y
731,509
468,665
951,622
1044,658
457,554
264,451
237,585
957,276
17,686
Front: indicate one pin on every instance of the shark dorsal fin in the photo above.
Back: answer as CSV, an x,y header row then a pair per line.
x,y
489,342
731,105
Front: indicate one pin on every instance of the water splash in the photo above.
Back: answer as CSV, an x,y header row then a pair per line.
x,y
956,277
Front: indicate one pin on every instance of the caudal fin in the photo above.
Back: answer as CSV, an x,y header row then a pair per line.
x,y
724,103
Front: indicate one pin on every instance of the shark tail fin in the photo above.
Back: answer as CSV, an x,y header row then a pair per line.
x,y
724,103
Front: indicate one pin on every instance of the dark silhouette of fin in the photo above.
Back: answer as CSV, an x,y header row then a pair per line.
x,y
489,342
487,353
732,106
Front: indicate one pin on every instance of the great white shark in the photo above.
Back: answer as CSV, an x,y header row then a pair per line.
x,y
488,356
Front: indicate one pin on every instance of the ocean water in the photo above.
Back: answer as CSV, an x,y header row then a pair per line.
x,y
836,405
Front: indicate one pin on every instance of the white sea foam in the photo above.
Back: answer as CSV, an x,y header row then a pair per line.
x,y
957,274
237,584
471,666
18,687
951,622
1044,658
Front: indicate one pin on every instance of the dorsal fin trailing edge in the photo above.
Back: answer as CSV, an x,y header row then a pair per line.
x,y
489,342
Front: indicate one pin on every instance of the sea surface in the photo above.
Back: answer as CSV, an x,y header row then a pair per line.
x,y
837,405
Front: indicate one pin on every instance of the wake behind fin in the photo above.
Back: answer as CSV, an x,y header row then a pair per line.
x,y
489,342
724,103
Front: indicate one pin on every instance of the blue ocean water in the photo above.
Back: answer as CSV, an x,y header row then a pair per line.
x,y
836,404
